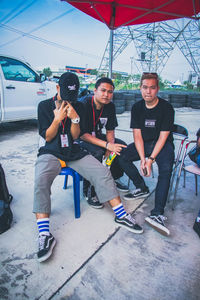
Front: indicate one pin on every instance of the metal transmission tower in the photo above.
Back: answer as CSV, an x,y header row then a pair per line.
x,y
121,39
188,42
154,45
155,42
152,42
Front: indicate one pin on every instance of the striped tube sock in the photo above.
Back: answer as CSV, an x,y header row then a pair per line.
x,y
43,226
119,211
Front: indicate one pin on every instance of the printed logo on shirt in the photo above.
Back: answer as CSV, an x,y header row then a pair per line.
x,y
150,123
103,121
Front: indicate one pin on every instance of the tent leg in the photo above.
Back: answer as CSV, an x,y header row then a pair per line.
x,y
111,54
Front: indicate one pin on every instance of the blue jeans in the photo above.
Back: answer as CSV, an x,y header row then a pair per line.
x,y
164,160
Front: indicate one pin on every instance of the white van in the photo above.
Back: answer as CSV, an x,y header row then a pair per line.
x,y
21,89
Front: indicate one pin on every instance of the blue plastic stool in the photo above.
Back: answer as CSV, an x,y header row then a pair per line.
x,y
76,187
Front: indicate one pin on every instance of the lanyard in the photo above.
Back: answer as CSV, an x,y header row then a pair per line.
x,y
94,121
63,123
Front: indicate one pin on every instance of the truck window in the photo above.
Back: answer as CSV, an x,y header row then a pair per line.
x,y
16,70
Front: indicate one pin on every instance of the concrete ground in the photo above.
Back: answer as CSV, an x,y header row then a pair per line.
x,y
93,258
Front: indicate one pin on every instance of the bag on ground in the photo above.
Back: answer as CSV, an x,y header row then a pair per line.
x,y
6,215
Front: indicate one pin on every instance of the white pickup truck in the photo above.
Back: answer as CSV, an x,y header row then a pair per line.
x,y
21,89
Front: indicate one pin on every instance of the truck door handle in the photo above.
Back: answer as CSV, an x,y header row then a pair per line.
x,y
10,87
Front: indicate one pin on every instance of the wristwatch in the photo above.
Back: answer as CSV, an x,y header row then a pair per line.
x,y
76,120
152,158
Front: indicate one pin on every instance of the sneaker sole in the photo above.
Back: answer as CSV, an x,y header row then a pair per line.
x,y
130,229
123,190
97,207
137,197
45,257
158,227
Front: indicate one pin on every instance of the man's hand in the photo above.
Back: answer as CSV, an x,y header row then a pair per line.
x,y
145,167
71,113
117,148
60,112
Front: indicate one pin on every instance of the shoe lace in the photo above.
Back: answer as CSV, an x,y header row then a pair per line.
x,y
135,191
94,199
41,241
130,218
162,218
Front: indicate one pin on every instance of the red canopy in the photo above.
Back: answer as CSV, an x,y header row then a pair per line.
x,y
130,12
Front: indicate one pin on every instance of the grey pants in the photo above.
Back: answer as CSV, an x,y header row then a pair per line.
x,y
47,167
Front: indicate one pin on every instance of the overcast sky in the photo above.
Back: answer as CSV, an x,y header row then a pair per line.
x,y
60,35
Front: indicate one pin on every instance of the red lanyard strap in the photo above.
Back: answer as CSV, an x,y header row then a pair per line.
x,y
94,121
63,124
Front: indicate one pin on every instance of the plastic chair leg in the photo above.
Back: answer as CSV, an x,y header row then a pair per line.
x,y
65,182
76,188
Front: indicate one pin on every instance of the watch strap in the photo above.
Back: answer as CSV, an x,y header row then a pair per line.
x,y
152,158
75,121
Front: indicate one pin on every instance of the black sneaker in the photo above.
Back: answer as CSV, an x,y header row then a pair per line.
x,y
157,222
138,193
46,245
94,202
120,186
129,223
196,227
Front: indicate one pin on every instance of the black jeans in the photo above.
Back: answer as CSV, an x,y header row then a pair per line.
x,y
164,160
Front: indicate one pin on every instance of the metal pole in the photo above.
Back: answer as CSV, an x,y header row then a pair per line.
x,y
111,54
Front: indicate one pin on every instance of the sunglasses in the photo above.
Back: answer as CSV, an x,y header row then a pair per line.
x,y
150,73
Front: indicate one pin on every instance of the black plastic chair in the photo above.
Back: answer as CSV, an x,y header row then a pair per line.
x,y
191,168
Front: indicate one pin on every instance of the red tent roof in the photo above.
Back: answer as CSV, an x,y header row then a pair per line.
x,y
130,12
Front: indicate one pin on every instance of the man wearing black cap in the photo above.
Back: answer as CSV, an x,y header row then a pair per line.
x,y
60,123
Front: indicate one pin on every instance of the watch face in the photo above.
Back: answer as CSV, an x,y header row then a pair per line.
x,y
77,120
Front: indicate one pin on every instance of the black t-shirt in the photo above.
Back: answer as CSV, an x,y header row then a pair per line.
x,y
45,118
153,121
103,118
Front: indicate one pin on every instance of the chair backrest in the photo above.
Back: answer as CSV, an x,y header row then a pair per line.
x,y
182,135
180,131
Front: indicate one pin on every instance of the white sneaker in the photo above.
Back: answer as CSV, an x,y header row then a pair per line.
x,y
157,222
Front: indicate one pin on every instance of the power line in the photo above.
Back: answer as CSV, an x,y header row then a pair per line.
x,y
12,11
21,11
48,42
38,27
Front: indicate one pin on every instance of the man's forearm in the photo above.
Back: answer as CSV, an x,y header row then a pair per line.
x,y
52,130
93,140
110,136
160,143
139,143
75,131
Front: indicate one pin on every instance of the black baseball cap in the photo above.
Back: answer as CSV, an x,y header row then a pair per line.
x,y
69,86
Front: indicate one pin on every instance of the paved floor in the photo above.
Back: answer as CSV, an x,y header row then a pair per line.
x,y
93,258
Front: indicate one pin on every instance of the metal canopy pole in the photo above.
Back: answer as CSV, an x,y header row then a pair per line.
x,y
111,54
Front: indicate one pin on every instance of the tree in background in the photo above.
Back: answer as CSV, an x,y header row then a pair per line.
x,y
47,72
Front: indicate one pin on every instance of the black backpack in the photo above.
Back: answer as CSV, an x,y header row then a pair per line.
x,y
6,215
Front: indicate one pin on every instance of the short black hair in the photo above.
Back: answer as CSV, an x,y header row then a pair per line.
x,y
104,80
